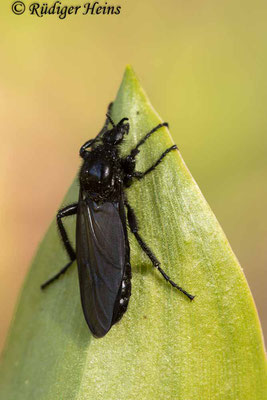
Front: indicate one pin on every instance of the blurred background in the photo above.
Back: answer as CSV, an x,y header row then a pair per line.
x,y
203,65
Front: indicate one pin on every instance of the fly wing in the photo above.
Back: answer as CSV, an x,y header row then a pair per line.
x,y
101,252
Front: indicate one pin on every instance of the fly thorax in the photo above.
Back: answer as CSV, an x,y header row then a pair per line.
x,y
98,177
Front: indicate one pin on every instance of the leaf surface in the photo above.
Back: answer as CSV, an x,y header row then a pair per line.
x,y
165,347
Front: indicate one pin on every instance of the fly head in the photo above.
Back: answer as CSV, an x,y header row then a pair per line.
x,y
115,135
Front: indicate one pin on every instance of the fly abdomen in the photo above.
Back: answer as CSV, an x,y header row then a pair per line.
x,y
124,295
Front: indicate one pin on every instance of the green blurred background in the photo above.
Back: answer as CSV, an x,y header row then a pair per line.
x,y
203,64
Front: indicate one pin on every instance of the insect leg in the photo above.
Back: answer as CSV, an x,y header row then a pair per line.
x,y
135,151
90,142
55,277
128,163
64,212
134,228
140,175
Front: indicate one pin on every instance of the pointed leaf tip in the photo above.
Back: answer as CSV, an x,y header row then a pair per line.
x,y
165,347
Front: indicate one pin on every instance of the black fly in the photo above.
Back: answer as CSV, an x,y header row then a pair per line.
x,y
102,246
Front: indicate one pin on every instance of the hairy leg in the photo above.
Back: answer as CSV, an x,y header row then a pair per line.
x,y
140,175
134,228
64,212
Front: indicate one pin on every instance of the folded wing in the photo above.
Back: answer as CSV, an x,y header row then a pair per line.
x,y
101,252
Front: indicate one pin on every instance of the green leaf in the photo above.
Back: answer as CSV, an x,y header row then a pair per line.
x,y
165,347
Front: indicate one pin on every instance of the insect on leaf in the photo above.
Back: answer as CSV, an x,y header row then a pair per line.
x,y
165,347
